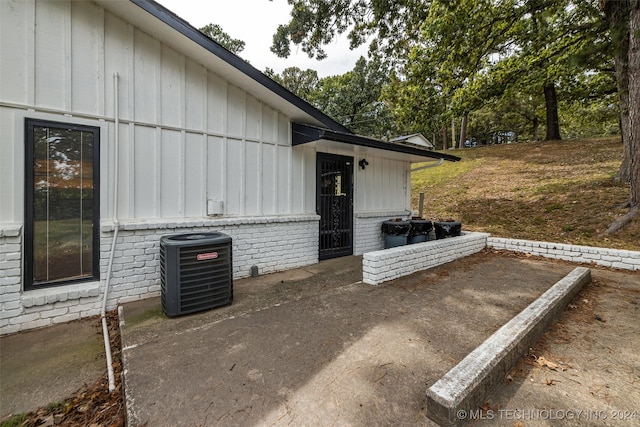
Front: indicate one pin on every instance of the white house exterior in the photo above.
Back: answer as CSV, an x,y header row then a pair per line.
x,y
117,113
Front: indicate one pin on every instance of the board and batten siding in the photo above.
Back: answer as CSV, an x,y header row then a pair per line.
x,y
186,135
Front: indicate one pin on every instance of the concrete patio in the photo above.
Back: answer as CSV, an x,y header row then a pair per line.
x,y
316,346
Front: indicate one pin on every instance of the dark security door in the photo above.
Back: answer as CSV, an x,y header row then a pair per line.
x,y
334,204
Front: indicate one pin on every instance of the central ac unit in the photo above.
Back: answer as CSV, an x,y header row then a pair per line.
x,y
196,272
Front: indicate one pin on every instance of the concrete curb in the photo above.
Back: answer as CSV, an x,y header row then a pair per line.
x,y
455,397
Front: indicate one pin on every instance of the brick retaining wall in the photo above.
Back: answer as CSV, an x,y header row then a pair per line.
x,y
616,258
388,264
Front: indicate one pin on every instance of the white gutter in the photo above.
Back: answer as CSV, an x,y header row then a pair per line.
x,y
431,165
116,226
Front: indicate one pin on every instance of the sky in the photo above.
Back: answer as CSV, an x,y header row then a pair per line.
x,y
255,22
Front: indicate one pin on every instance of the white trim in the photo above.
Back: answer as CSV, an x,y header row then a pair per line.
x,y
84,116
382,214
161,223
39,297
10,230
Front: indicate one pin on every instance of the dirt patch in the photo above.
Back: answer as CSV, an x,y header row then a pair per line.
x,y
585,370
91,406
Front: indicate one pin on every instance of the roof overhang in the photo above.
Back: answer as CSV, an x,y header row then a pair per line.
x,y
165,26
330,139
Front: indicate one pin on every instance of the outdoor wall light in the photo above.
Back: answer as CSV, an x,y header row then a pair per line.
x,y
363,163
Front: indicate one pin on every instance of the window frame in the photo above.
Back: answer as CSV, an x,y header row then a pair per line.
x,y
28,263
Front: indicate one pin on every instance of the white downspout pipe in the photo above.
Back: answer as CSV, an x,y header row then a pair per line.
x,y
116,226
430,165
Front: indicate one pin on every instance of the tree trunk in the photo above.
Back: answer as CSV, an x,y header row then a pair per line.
x,y
453,132
444,137
624,171
463,130
633,136
536,128
617,15
634,102
551,104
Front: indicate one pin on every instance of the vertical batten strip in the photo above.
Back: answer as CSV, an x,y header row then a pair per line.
x,y
243,160
182,197
157,173
100,66
259,161
204,170
68,70
225,140
30,51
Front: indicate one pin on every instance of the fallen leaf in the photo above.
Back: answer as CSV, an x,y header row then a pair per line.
x,y
549,364
550,382
518,424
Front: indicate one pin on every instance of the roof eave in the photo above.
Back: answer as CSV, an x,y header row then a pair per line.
x,y
183,27
303,134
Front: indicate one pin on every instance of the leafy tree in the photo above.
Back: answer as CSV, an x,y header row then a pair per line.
x,y
303,83
353,99
217,34
514,44
416,103
473,50
471,53
389,25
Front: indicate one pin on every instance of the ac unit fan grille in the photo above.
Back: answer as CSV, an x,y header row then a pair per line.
x,y
204,283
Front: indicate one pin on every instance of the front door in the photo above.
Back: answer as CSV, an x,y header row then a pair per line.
x,y
334,204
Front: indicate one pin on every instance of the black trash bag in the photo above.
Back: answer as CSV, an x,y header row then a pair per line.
x,y
420,227
396,228
446,229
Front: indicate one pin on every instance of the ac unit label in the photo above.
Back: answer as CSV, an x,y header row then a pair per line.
x,y
208,255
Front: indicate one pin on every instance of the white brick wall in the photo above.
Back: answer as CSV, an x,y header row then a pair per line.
x,y
616,258
10,274
368,230
272,243
382,266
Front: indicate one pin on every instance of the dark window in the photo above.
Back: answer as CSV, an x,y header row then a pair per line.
x,y
62,203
